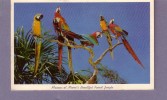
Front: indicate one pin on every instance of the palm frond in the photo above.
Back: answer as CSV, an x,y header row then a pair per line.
x,y
24,54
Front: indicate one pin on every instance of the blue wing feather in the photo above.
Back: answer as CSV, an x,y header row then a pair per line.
x,y
90,39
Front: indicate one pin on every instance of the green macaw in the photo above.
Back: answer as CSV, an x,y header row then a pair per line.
x,y
90,39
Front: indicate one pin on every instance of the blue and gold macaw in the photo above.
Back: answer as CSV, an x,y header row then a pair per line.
x,y
104,28
36,31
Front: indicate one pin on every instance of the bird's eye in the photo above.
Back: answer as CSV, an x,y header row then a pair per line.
x,y
99,36
38,17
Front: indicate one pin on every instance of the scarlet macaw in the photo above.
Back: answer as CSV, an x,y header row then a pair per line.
x,y
36,31
63,30
104,28
119,32
90,39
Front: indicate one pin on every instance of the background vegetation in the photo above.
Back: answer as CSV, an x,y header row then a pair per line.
x,y
48,73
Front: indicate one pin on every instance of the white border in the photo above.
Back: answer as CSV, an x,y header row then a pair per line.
x,y
44,1
85,86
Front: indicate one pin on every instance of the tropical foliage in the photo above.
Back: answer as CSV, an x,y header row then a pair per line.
x,y
105,76
48,73
24,54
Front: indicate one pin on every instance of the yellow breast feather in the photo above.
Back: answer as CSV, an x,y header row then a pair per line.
x,y
36,29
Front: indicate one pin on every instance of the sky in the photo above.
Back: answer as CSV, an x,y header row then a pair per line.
x,y
83,18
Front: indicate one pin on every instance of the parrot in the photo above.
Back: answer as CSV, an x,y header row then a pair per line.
x,y
36,31
104,28
119,32
63,30
90,39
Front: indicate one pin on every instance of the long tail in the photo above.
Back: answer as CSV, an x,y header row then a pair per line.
x,y
109,39
70,60
60,54
37,55
73,35
131,51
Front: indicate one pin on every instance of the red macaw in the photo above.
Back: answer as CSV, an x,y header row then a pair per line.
x,y
119,32
36,31
63,30
104,28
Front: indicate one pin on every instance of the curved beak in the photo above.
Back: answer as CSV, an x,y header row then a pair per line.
x,y
58,10
39,16
99,35
101,17
111,21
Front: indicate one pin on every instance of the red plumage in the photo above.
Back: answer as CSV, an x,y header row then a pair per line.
x,y
60,53
58,30
131,51
119,32
72,35
63,30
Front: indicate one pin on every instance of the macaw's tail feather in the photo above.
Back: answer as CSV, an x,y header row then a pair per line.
x,y
60,53
130,50
86,43
73,35
37,55
109,39
125,32
70,60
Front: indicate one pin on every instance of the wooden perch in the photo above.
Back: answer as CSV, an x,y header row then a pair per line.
x,y
92,79
105,52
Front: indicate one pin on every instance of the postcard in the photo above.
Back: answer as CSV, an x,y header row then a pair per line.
x,y
82,45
